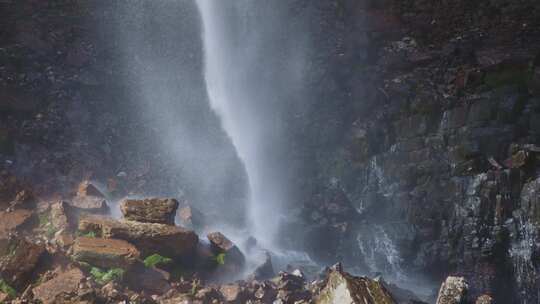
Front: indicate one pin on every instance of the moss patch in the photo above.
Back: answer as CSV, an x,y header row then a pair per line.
x,y
156,260
105,276
5,288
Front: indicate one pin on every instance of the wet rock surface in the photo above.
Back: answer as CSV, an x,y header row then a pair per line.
x,y
154,210
105,253
427,162
148,237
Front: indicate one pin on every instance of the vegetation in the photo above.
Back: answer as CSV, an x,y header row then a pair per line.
x,y
103,277
220,259
5,288
90,234
156,260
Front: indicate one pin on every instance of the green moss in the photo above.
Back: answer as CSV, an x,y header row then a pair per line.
x,y
103,277
220,259
5,288
156,260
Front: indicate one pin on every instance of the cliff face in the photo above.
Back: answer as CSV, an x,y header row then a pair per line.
x,y
434,165
416,151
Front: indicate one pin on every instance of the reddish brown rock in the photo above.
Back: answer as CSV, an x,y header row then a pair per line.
x,y
105,253
59,216
86,188
15,220
19,259
149,238
90,199
65,283
234,293
150,210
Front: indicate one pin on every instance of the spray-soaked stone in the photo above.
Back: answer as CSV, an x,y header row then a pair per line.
x,y
342,287
453,291
65,283
105,253
149,238
90,199
151,210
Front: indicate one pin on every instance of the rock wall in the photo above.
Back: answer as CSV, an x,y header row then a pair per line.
x,y
432,163
416,150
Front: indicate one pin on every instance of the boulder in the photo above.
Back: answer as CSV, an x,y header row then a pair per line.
x,y
221,244
59,216
453,291
19,259
484,299
105,253
265,270
15,220
149,238
89,199
65,283
342,287
234,293
86,188
150,210
149,279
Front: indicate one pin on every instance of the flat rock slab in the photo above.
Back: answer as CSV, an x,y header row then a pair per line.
x,y
11,221
105,253
89,199
344,288
92,204
149,238
65,283
150,210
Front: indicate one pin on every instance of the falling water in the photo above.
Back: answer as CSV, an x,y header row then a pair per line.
x,y
250,71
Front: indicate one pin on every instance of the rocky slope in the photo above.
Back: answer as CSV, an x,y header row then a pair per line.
x,y
417,152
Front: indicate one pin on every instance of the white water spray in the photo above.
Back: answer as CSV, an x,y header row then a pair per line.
x,y
243,68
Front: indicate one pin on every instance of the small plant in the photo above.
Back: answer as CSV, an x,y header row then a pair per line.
x,y
103,277
5,288
220,259
90,234
156,259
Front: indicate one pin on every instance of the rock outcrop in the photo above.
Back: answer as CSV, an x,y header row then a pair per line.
x,y
105,253
90,199
341,287
66,283
149,238
151,210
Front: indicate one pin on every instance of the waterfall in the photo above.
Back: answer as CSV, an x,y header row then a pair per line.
x,y
251,70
